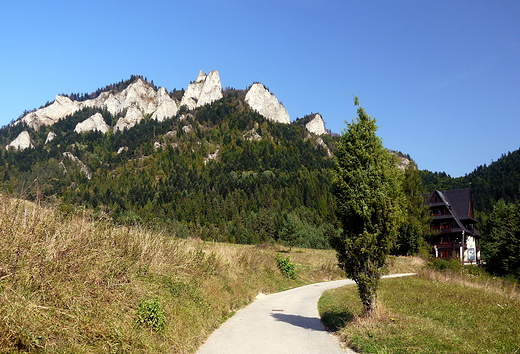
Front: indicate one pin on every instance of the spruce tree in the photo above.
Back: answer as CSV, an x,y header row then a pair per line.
x,y
368,189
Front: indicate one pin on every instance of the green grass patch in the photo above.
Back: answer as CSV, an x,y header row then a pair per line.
x,y
418,315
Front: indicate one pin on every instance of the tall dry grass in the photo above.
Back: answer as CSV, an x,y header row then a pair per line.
x,y
72,284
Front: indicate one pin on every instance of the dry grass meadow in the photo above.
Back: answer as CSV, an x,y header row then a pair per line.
x,y
72,283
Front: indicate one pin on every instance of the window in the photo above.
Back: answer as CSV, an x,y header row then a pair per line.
x,y
444,254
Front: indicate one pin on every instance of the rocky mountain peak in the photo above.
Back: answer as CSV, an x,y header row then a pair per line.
x,y
138,94
316,125
206,89
265,103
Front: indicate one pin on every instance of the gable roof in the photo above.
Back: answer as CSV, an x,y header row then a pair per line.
x,y
459,204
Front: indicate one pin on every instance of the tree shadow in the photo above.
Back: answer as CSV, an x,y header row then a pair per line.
x,y
335,320
311,323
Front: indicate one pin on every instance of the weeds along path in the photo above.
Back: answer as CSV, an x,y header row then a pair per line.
x,y
285,322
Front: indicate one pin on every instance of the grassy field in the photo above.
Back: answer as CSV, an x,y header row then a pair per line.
x,y
434,312
72,283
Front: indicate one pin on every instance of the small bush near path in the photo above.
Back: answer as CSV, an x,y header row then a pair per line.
x,y
421,315
286,266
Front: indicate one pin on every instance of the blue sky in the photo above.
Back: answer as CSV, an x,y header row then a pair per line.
x,y
442,78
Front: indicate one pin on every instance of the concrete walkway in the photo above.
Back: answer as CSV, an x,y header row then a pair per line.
x,y
285,322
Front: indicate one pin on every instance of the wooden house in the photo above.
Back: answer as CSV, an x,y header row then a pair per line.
x,y
453,224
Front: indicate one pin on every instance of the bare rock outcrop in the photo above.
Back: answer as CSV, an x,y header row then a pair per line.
x,y
316,125
206,89
94,122
83,168
60,108
50,137
265,103
132,117
166,106
139,94
23,141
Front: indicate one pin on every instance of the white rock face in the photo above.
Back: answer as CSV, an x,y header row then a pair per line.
x,y
94,122
265,103
206,89
138,94
212,89
316,125
60,108
166,106
22,141
321,143
133,116
50,137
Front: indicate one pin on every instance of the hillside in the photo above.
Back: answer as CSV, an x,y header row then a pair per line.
x,y
201,162
72,284
489,183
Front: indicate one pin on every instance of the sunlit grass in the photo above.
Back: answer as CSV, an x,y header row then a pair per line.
x,y
70,283
419,315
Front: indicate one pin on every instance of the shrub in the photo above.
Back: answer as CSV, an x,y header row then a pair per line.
x,y
151,313
286,266
451,264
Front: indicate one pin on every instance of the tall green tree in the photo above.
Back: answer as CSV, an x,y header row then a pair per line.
x,y
416,224
501,239
368,189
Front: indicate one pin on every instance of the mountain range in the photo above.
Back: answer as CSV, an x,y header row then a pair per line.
x,y
207,162
225,164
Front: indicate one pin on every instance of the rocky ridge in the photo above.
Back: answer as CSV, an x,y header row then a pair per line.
x,y
140,99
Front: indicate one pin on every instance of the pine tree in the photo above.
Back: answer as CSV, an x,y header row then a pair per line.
x,y
367,186
416,225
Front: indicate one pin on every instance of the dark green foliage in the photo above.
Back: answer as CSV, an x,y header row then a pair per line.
x,y
501,239
452,264
415,228
368,191
285,265
150,313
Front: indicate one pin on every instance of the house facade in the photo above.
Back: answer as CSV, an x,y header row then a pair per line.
x,y
453,225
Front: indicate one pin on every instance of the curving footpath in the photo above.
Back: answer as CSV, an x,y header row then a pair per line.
x,y
285,322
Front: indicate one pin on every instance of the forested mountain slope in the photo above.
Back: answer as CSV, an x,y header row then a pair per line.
x,y
220,171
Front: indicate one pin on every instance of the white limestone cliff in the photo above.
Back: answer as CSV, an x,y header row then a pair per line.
x,y
212,89
23,141
94,122
132,117
60,108
50,137
166,106
206,89
138,94
316,125
265,103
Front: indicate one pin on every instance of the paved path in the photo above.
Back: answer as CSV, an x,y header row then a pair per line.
x,y
286,322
